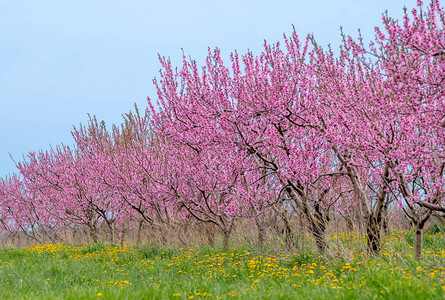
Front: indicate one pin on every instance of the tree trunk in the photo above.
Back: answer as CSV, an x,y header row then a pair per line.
x,y
122,236
261,232
421,216
319,221
226,239
139,234
373,233
385,218
112,234
373,223
227,231
93,234
316,218
418,240
261,236
317,231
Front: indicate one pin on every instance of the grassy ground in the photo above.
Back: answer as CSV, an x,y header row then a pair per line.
x,y
148,272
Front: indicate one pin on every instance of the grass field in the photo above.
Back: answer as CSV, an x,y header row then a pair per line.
x,y
56,271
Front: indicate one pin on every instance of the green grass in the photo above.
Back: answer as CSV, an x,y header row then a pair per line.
x,y
149,272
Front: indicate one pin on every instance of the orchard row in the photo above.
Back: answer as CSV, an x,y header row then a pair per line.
x,y
296,130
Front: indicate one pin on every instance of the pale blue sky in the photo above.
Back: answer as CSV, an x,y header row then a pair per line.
x,y
60,60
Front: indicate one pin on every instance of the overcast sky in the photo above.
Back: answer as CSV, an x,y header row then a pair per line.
x,y
60,60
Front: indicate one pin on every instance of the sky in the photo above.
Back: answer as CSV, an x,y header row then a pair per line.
x,y
63,60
